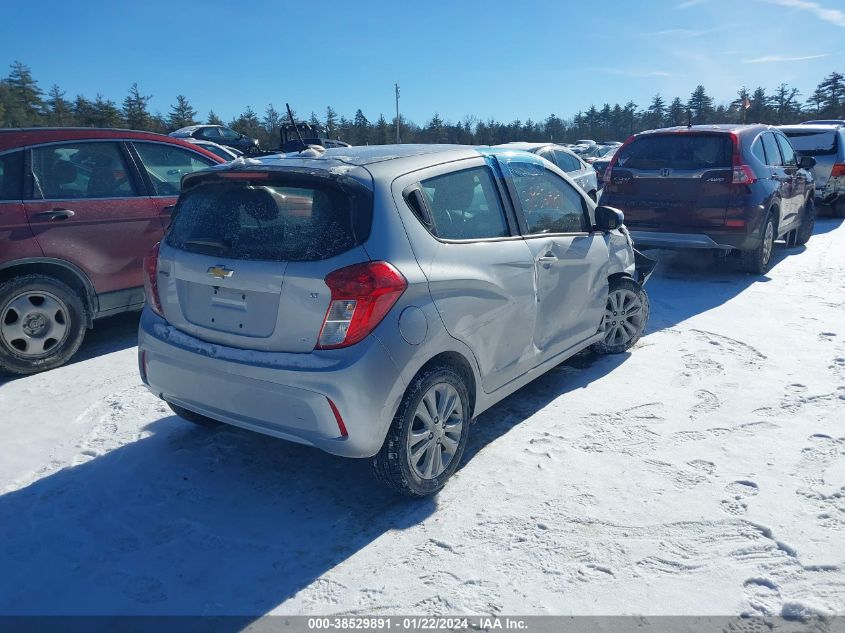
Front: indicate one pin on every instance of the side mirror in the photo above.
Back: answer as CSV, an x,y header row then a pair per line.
x,y
608,218
807,162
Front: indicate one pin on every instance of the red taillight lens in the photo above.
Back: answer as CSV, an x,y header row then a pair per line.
x,y
362,295
151,281
838,170
742,173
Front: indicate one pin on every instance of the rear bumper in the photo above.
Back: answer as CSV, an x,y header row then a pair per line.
x,y
723,241
284,395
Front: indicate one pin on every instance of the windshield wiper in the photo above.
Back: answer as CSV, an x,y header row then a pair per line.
x,y
208,245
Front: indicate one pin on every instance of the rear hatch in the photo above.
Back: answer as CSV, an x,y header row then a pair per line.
x,y
244,261
672,182
823,145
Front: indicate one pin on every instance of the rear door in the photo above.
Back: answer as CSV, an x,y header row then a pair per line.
x,y
85,206
16,239
583,175
570,262
480,271
798,182
779,175
244,261
676,182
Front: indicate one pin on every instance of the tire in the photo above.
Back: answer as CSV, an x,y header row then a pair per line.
x,y
623,330
757,261
42,324
395,464
808,223
191,416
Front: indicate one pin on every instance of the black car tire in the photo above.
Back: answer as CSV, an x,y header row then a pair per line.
x,y
627,286
392,464
758,260
808,223
62,310
191,416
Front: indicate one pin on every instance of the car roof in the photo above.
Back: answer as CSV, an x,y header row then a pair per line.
x,y
814,127
523,145
12,138
712,127
377,159
193,128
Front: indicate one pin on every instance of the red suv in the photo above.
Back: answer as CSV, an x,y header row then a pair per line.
x,y
79,209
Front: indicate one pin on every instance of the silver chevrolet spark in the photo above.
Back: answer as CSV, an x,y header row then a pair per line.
x,y
372,301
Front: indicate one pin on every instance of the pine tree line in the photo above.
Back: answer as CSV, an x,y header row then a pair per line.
x,y
23,104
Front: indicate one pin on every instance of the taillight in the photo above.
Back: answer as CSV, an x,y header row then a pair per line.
x,y
742,173
151,280
362,295
838,170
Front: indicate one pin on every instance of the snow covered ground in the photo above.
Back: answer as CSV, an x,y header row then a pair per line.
x,y
703,473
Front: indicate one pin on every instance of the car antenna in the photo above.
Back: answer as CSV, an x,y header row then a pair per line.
x,y
302,145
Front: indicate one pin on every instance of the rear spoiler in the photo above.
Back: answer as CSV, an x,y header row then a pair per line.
x,y
644,266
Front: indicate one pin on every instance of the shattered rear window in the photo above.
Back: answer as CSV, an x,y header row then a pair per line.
x,y
272,222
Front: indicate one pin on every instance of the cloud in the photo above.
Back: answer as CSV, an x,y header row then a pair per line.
x,y
834,16
631,73
690,3
767,59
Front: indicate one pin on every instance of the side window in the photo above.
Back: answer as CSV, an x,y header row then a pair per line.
x,y
465,205
227,134
81,170
549,203
786,150
566,162
166,164
210,133
757,150
772,152
11,176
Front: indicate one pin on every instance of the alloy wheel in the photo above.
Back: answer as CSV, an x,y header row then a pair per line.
x,y
435,432
623,316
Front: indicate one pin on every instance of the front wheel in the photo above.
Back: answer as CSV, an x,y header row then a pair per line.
x,y
428,435
625,316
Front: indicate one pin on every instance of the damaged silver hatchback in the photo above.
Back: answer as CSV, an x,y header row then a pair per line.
x,y
372,301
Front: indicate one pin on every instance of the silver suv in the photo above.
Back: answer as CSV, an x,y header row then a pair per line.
x,y
825,142
372,301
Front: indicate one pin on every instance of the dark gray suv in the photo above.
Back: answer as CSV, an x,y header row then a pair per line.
x,y
372,301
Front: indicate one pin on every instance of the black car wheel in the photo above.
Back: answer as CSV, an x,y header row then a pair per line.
x,y
42,324
808,223
757,260
427,438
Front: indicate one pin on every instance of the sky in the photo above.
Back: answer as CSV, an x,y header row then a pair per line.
x,y
486,58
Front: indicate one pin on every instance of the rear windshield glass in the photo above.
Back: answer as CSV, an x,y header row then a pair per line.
x,y
275,222
678,151
813,143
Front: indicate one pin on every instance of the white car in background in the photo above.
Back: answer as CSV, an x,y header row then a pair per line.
x,y
567,160
226,153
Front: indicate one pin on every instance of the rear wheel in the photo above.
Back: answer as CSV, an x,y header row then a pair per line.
x,y
42,324
190,416
757,261
808,223
428,435
625,316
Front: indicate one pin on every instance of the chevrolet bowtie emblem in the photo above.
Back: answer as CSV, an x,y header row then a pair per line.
x,y
220,272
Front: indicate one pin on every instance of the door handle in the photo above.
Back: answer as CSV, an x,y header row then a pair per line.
x,y
55,214
547,260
